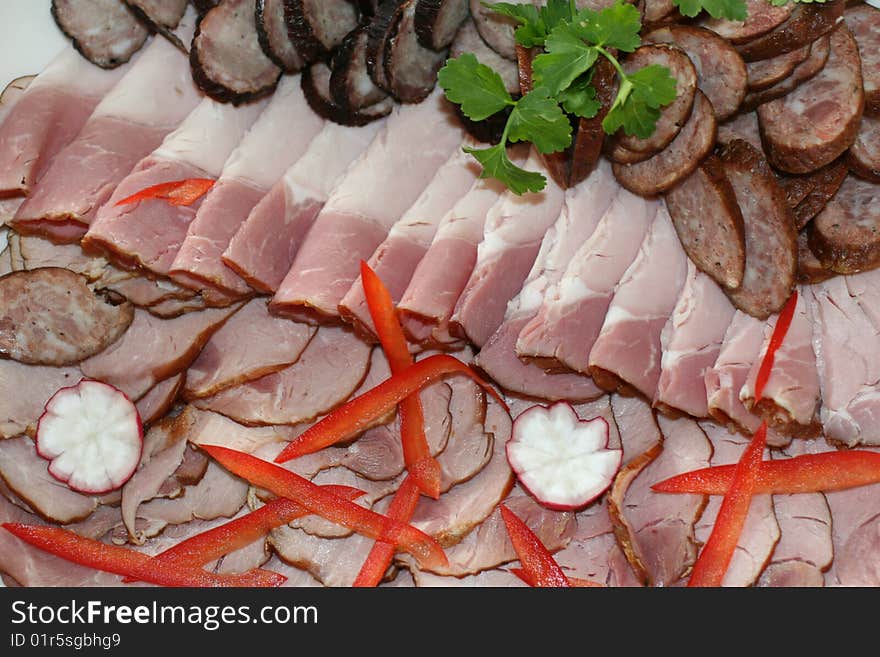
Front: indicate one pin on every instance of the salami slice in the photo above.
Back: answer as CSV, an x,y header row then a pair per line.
x,y
864,154
767,72
845,236
864,22
808,22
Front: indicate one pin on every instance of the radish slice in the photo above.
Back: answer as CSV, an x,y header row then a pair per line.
x,y
93,436
562,460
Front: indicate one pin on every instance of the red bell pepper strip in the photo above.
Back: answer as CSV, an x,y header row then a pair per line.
x,y
575,582
538,565
807,473
285,483
176,192
130,563
360,413
401,508
716,554
416,453
783,322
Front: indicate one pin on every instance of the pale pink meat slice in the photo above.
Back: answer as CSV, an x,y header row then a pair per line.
x,y
374,193
266,151
628,346
636,423
24,391
159,399
562,333
264,246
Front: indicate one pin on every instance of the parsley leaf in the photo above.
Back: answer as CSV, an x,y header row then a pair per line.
x,y
476,87
580,98
534,24
496,164
616,26
734,10
567,57
538,118
637,106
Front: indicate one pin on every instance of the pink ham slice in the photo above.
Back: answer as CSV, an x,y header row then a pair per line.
x,y
154,349
373,195
512,235
128,124
691,341
24,391
584,206
562,333
148,234
268,149
48,116
397,257
264,246
628,347
159,399
443,272
251,344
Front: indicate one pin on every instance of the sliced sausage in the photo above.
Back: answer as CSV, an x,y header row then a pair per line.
x,y
767,72
824,184
315,83
742,126
675,162
810,270
674,115
864,22
590,135
771,239
814,124
49,316
845,236
864,154
761,17
469,40
715,240
383,25
226,58
721,72
350,84
496,29
656,11
410,68
159,14
318,26
807,23
274,37
106,32
437,21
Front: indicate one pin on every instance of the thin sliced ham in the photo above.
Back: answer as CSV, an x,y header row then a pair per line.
x,y
265,245
563,332
268,149
24,391
512,237
147,234
48,116
159,399
628,349
127,125
208,428
397,257
375,192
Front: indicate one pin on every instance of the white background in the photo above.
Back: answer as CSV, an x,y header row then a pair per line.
x,y
29,38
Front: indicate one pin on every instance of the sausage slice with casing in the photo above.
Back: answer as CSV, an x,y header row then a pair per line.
x,y
106,32
274,37
864,154
863,20
318,26
807,23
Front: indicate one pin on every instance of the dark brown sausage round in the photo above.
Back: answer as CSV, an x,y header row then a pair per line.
x,y
351,86
274,37
814,124
496,30
767,72
864,154
864,22
807,23
410,68
106,32
824,184
761,17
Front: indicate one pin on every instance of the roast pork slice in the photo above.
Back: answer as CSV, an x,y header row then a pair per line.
x,y
790,399
691,341
126,126
277,139
327,372
567,324
208,428
148,234
24,391
48,116
374,193
443,272
251,344
159,399
845,341
264,246
637,425
656,530
397,257
512,236
761,530
154,349
584,207
627,350
494,578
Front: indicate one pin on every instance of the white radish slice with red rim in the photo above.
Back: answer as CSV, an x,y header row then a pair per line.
x,y
93,436
562,460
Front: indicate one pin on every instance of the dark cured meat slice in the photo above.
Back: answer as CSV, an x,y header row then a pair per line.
x,y
226,58
318,26
274,38
810,270
674,163
864,155
819,51
761,17
381,28
469,40
350,84
721,72
674,115
771,240
807,23
590,135
437,21
496,30
824,184
845,236
410,68
49,316
767,72
714,240
316,87
106,32
159,13
864,22
814,124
